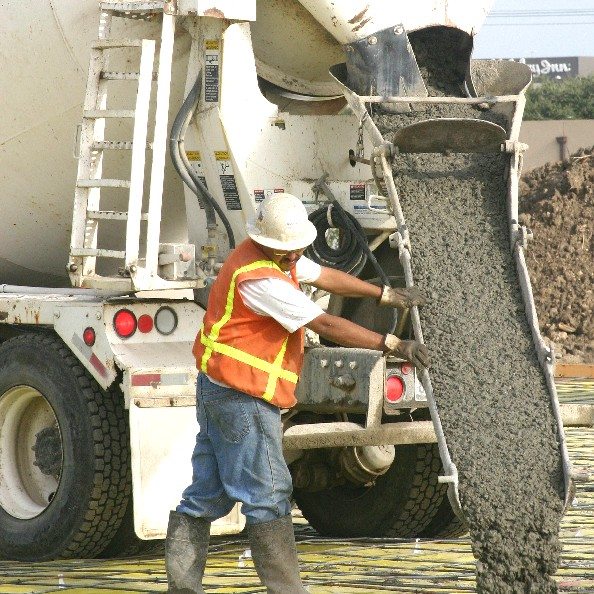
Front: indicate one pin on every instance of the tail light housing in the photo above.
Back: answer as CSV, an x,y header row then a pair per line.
x,y
165,320
89,336
394,388
400,388
145,323
124,323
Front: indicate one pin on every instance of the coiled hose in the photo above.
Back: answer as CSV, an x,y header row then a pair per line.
x,y
352,252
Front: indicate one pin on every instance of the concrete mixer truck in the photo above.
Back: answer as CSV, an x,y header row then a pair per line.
x,y
169,122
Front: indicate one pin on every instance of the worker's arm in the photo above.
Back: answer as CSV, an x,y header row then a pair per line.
x,y
348,334
340,283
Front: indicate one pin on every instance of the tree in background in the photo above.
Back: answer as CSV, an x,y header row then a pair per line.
x,y
570,98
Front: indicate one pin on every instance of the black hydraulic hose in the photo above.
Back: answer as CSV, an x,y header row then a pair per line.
x,y
353,234
183,166
348,257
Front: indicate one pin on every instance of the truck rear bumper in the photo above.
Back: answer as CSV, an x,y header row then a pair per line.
x,y
335,435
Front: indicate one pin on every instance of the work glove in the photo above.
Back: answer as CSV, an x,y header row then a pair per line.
x,y
401,297
411,350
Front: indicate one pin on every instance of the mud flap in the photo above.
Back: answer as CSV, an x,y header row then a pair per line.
x,y
459,135
161,443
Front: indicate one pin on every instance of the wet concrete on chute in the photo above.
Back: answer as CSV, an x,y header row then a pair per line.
x,y
489,388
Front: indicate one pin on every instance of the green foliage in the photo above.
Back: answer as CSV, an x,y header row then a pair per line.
x,y
567,99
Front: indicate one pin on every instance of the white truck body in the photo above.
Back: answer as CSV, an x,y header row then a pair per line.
x,y
242,144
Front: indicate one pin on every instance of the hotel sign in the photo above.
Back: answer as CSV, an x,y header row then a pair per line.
x,y
552,67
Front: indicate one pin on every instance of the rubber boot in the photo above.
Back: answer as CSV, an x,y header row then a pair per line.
x,y
186,548
275,556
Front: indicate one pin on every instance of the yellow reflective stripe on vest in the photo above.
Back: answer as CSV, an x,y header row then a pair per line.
x,y
274,375
256,362
216,327
275,369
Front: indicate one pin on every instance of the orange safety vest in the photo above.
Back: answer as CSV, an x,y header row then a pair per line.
x,y
247,351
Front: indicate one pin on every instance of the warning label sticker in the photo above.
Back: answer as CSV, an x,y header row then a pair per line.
x,y
196,162
357,191
211,70
259,195
227,177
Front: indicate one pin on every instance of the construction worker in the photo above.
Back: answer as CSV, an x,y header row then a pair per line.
x,y
249,353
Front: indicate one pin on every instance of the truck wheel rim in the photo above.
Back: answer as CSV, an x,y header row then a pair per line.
x,y
30,452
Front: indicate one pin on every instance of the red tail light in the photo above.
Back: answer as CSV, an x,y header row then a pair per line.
x,y
124,323
89,336
145,323
406,368
394,388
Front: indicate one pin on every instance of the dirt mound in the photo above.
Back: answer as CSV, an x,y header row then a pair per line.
x,y
557,204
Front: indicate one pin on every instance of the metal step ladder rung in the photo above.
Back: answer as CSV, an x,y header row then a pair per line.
x,y
103,183
133,9
117,145
97,114
113,75
102,44
97,252
112,215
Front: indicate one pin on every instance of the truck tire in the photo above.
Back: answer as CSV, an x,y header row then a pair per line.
x,y
63,453
125,543
445,523
400,504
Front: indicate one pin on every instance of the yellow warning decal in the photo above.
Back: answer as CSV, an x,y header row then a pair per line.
x,y
193,155
222,155
211,44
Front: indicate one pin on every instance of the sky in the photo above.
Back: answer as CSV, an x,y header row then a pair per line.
x,y
537,28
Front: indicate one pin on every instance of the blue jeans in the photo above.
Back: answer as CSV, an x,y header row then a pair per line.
x,y
238,457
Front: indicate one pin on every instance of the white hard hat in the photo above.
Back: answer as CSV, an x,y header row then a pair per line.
x,y
281,223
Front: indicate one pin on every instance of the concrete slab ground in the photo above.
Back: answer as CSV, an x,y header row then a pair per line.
x,y
360,566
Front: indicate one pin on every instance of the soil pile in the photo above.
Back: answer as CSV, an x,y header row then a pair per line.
x,y
489,387
557,204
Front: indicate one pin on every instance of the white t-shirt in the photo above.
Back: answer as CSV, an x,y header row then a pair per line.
x,y
275,298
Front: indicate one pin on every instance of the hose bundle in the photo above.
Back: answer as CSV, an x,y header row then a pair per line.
x,y
353,250
346,253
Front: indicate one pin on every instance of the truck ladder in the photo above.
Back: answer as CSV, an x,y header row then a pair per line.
x,y
135,273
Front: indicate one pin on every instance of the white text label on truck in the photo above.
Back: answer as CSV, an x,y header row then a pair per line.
x,y
357,192
259,195
196,161
226,174
211,70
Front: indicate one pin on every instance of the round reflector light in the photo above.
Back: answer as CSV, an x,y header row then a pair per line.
x,y
394,388
145,323
89,336
124,323
165,320
406,368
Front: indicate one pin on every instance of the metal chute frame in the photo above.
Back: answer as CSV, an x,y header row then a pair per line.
x,y
516,79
